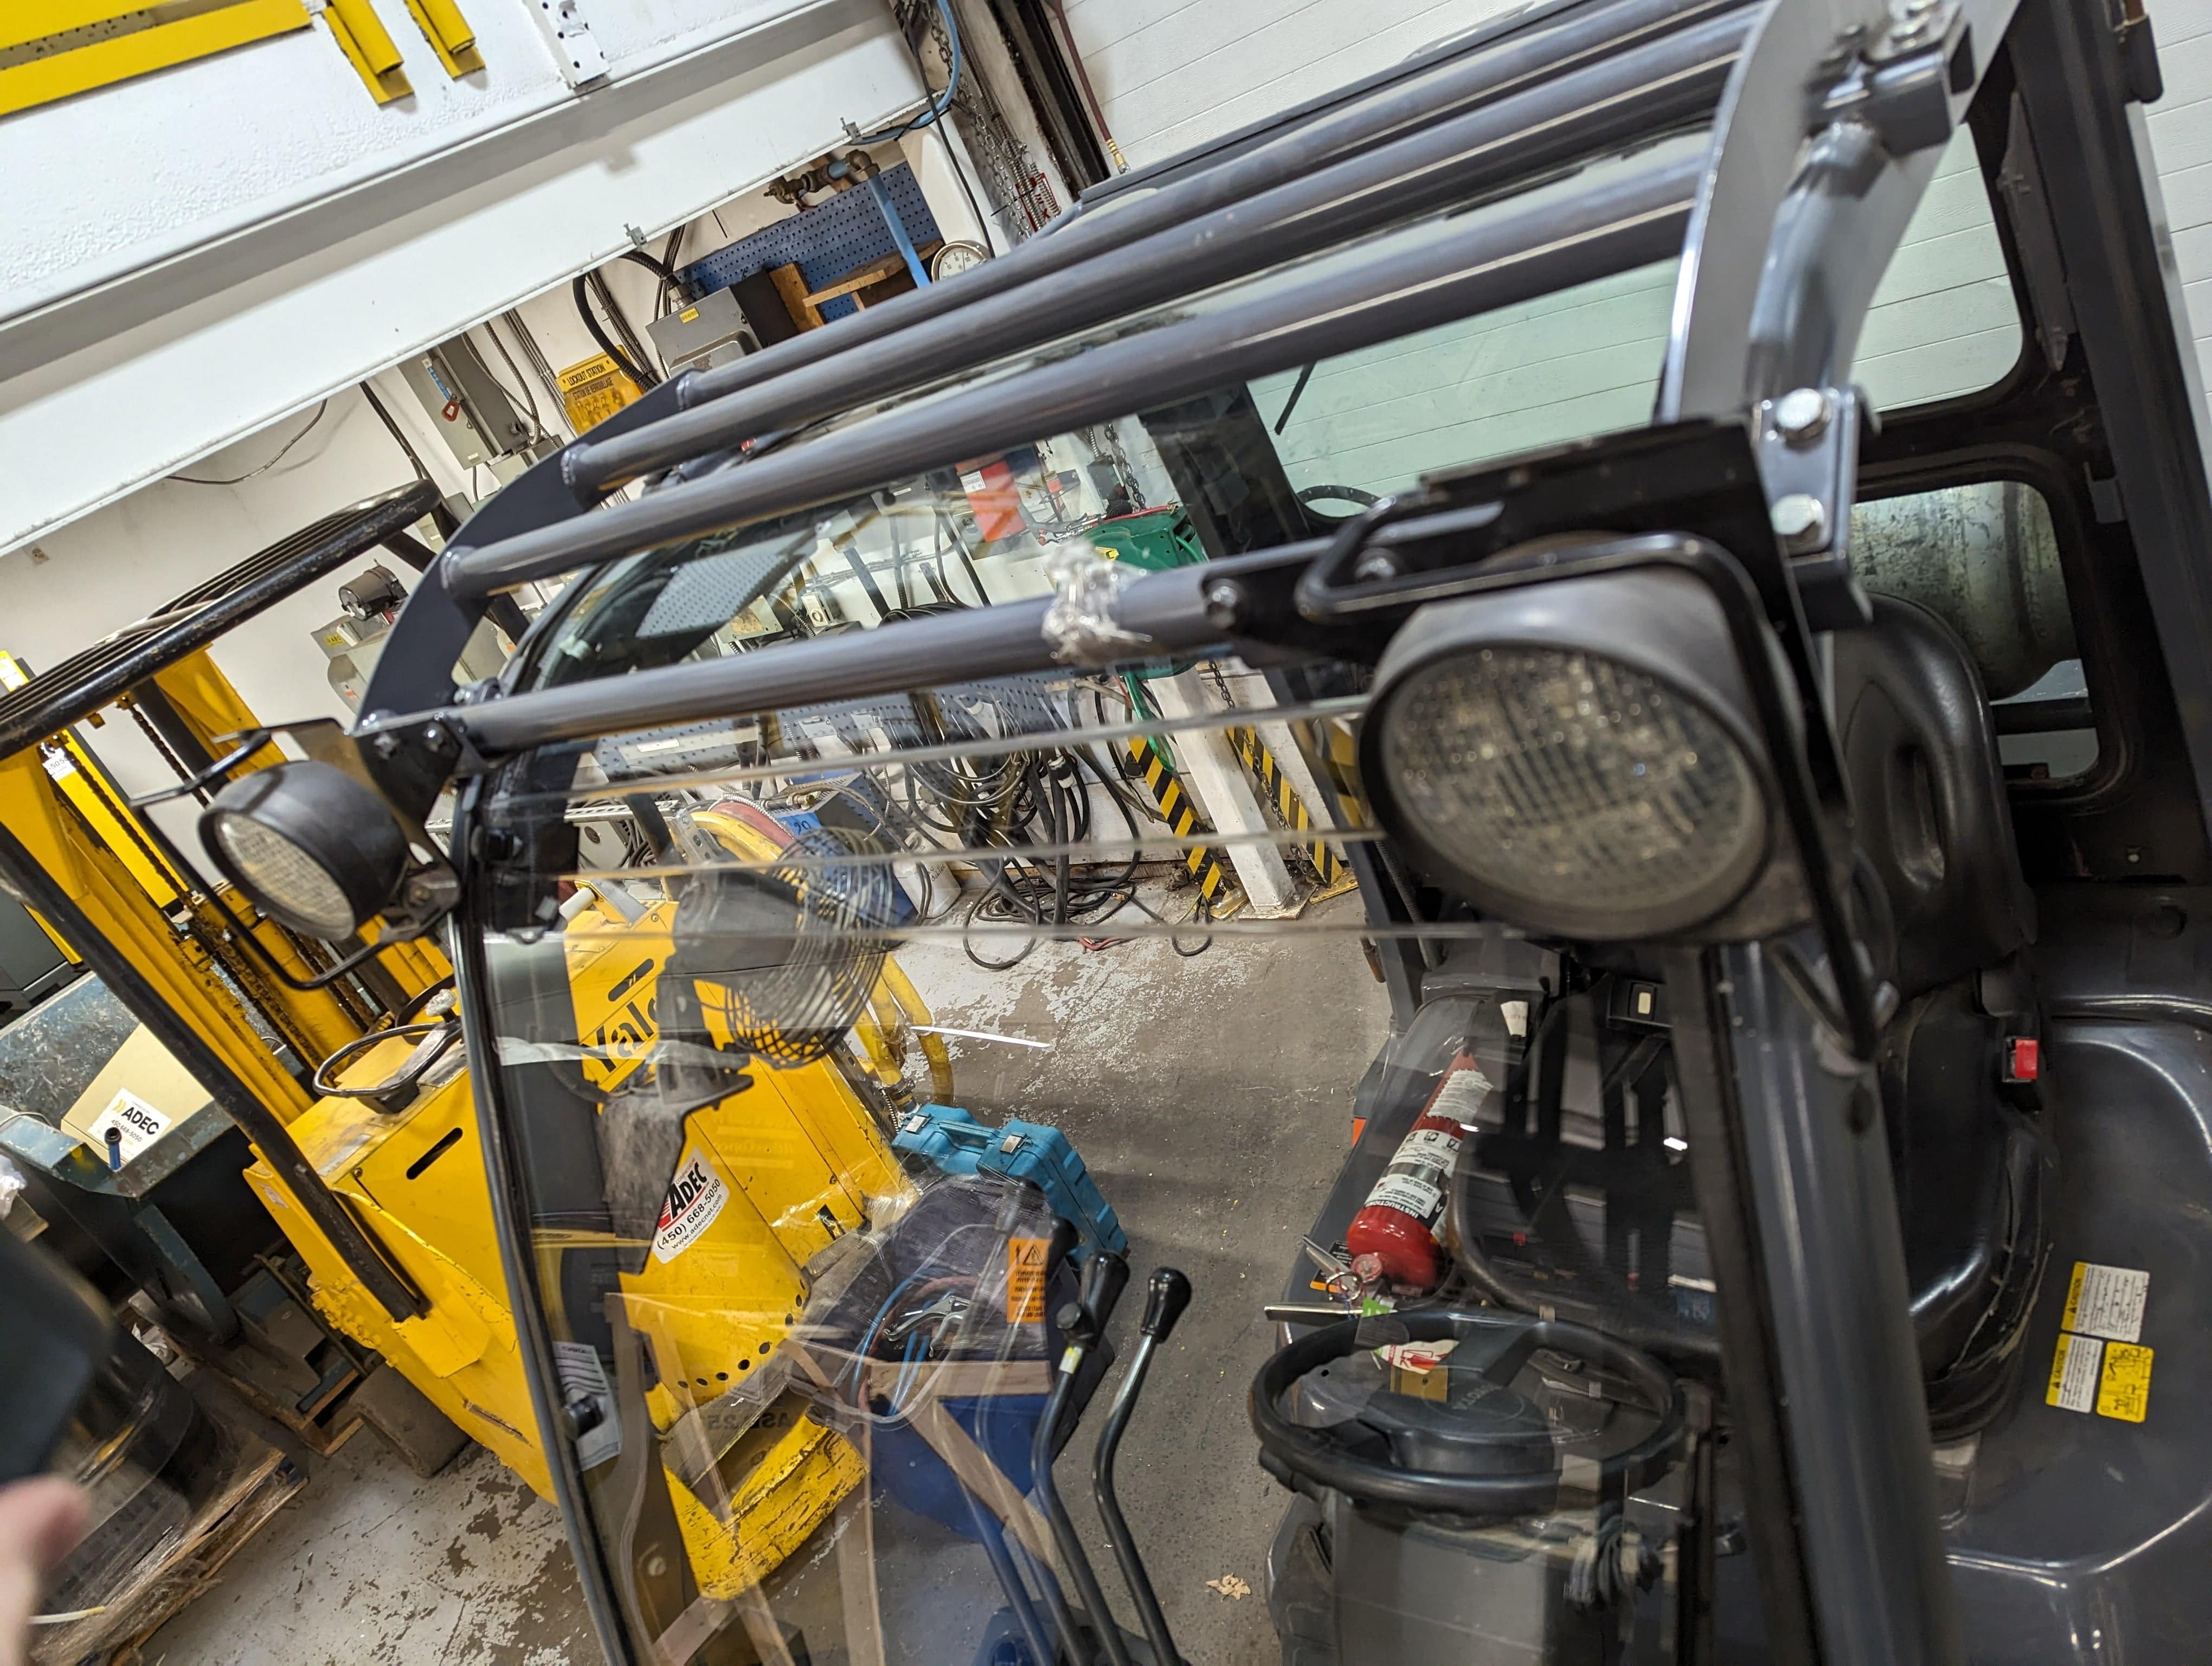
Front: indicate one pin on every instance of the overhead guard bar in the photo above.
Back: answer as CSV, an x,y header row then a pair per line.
x,y
1576,40
1539,249
1580,116
1484,37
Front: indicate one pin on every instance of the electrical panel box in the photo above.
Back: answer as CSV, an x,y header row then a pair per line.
x,y
710,330
471,409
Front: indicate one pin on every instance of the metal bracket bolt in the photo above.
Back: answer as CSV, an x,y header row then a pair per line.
x,y
1799,521
1801,416
1224,603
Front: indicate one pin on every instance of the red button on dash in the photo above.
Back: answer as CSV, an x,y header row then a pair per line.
x,y
2026,1060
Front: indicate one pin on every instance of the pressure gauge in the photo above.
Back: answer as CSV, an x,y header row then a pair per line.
x,y
956,258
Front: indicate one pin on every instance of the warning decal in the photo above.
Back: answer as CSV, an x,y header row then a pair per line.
x,y
2107,1302
2073,1374
2124,1389
695,1196
1025,1259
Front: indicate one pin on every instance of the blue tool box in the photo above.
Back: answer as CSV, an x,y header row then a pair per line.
x,y
956,1143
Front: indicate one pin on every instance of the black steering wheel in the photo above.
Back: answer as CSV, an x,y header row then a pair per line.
x,y
1487,1452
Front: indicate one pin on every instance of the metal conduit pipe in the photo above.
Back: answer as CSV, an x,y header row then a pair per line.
x,y
1541,247
1577,118
1576,40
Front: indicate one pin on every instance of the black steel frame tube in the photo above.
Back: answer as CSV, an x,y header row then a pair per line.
x,y
1577,118
1537,249
1813,1160
1485,37
1167,609
384,1281
1509,67
517,1250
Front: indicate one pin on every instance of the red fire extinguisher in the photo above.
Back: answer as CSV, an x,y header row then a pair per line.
x,y
1399,1227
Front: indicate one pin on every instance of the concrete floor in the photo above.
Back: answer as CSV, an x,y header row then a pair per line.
x,y
1211,1098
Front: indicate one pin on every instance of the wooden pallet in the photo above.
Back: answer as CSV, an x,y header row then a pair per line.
x,y
161,1586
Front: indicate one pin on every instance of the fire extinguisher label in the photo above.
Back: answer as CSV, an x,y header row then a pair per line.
x,y
1413,1181
1423,1200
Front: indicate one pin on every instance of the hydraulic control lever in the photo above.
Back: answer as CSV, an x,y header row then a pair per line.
x,y
1082,1323
1165,1297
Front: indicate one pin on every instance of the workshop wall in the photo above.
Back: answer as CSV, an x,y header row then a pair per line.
x,y
78,583
2180,128
1170,74
268,233
1586,360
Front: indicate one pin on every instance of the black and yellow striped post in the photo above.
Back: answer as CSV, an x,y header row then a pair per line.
x,y
1329,862
1205,863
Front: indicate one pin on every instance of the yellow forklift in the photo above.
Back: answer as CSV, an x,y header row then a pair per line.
x,y
218,1077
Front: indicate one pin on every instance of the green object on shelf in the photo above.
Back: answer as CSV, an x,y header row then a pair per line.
x,y
1154,539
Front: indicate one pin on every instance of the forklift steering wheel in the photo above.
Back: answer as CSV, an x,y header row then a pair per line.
x,y
1302,1456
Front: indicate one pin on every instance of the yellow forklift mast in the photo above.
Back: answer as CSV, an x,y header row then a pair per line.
x,y
344,1065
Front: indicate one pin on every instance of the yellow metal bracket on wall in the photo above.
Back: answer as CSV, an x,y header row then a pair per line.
x,y
449,33
53,49
367,45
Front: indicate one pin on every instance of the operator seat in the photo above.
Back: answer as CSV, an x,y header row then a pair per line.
x,y
1935,833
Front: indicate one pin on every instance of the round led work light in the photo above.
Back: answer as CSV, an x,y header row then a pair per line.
x,y
310,845
1576,758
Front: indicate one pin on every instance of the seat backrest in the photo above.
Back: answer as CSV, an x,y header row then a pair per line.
x,y
1927,794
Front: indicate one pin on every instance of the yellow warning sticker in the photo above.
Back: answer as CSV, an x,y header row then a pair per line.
x,y
593,391
2107,1302
2074,1373
1025,1259
2124,1389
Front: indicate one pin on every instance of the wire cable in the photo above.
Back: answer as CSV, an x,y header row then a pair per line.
x,y
582,291
288,447
940,105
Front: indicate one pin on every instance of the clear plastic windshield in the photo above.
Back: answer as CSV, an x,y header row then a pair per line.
x,y
849,1053
844,1046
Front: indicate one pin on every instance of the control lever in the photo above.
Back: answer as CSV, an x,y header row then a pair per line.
x,y
1082,1323
1165,1297
1060,1245
1058,1248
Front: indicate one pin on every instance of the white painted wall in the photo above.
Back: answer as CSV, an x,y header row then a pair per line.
x,y
79,582
1173,73
1586,360
2180,126
266,234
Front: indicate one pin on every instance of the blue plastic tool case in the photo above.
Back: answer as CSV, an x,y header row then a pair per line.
x,y
954,1142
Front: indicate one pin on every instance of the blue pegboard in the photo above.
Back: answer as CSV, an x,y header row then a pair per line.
x,y
824,242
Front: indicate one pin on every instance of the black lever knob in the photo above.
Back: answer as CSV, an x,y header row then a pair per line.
x,y
1064,1235
1103,1281
1166,1295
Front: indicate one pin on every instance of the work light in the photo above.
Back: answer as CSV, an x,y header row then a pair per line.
x,y
1575,757
310,845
